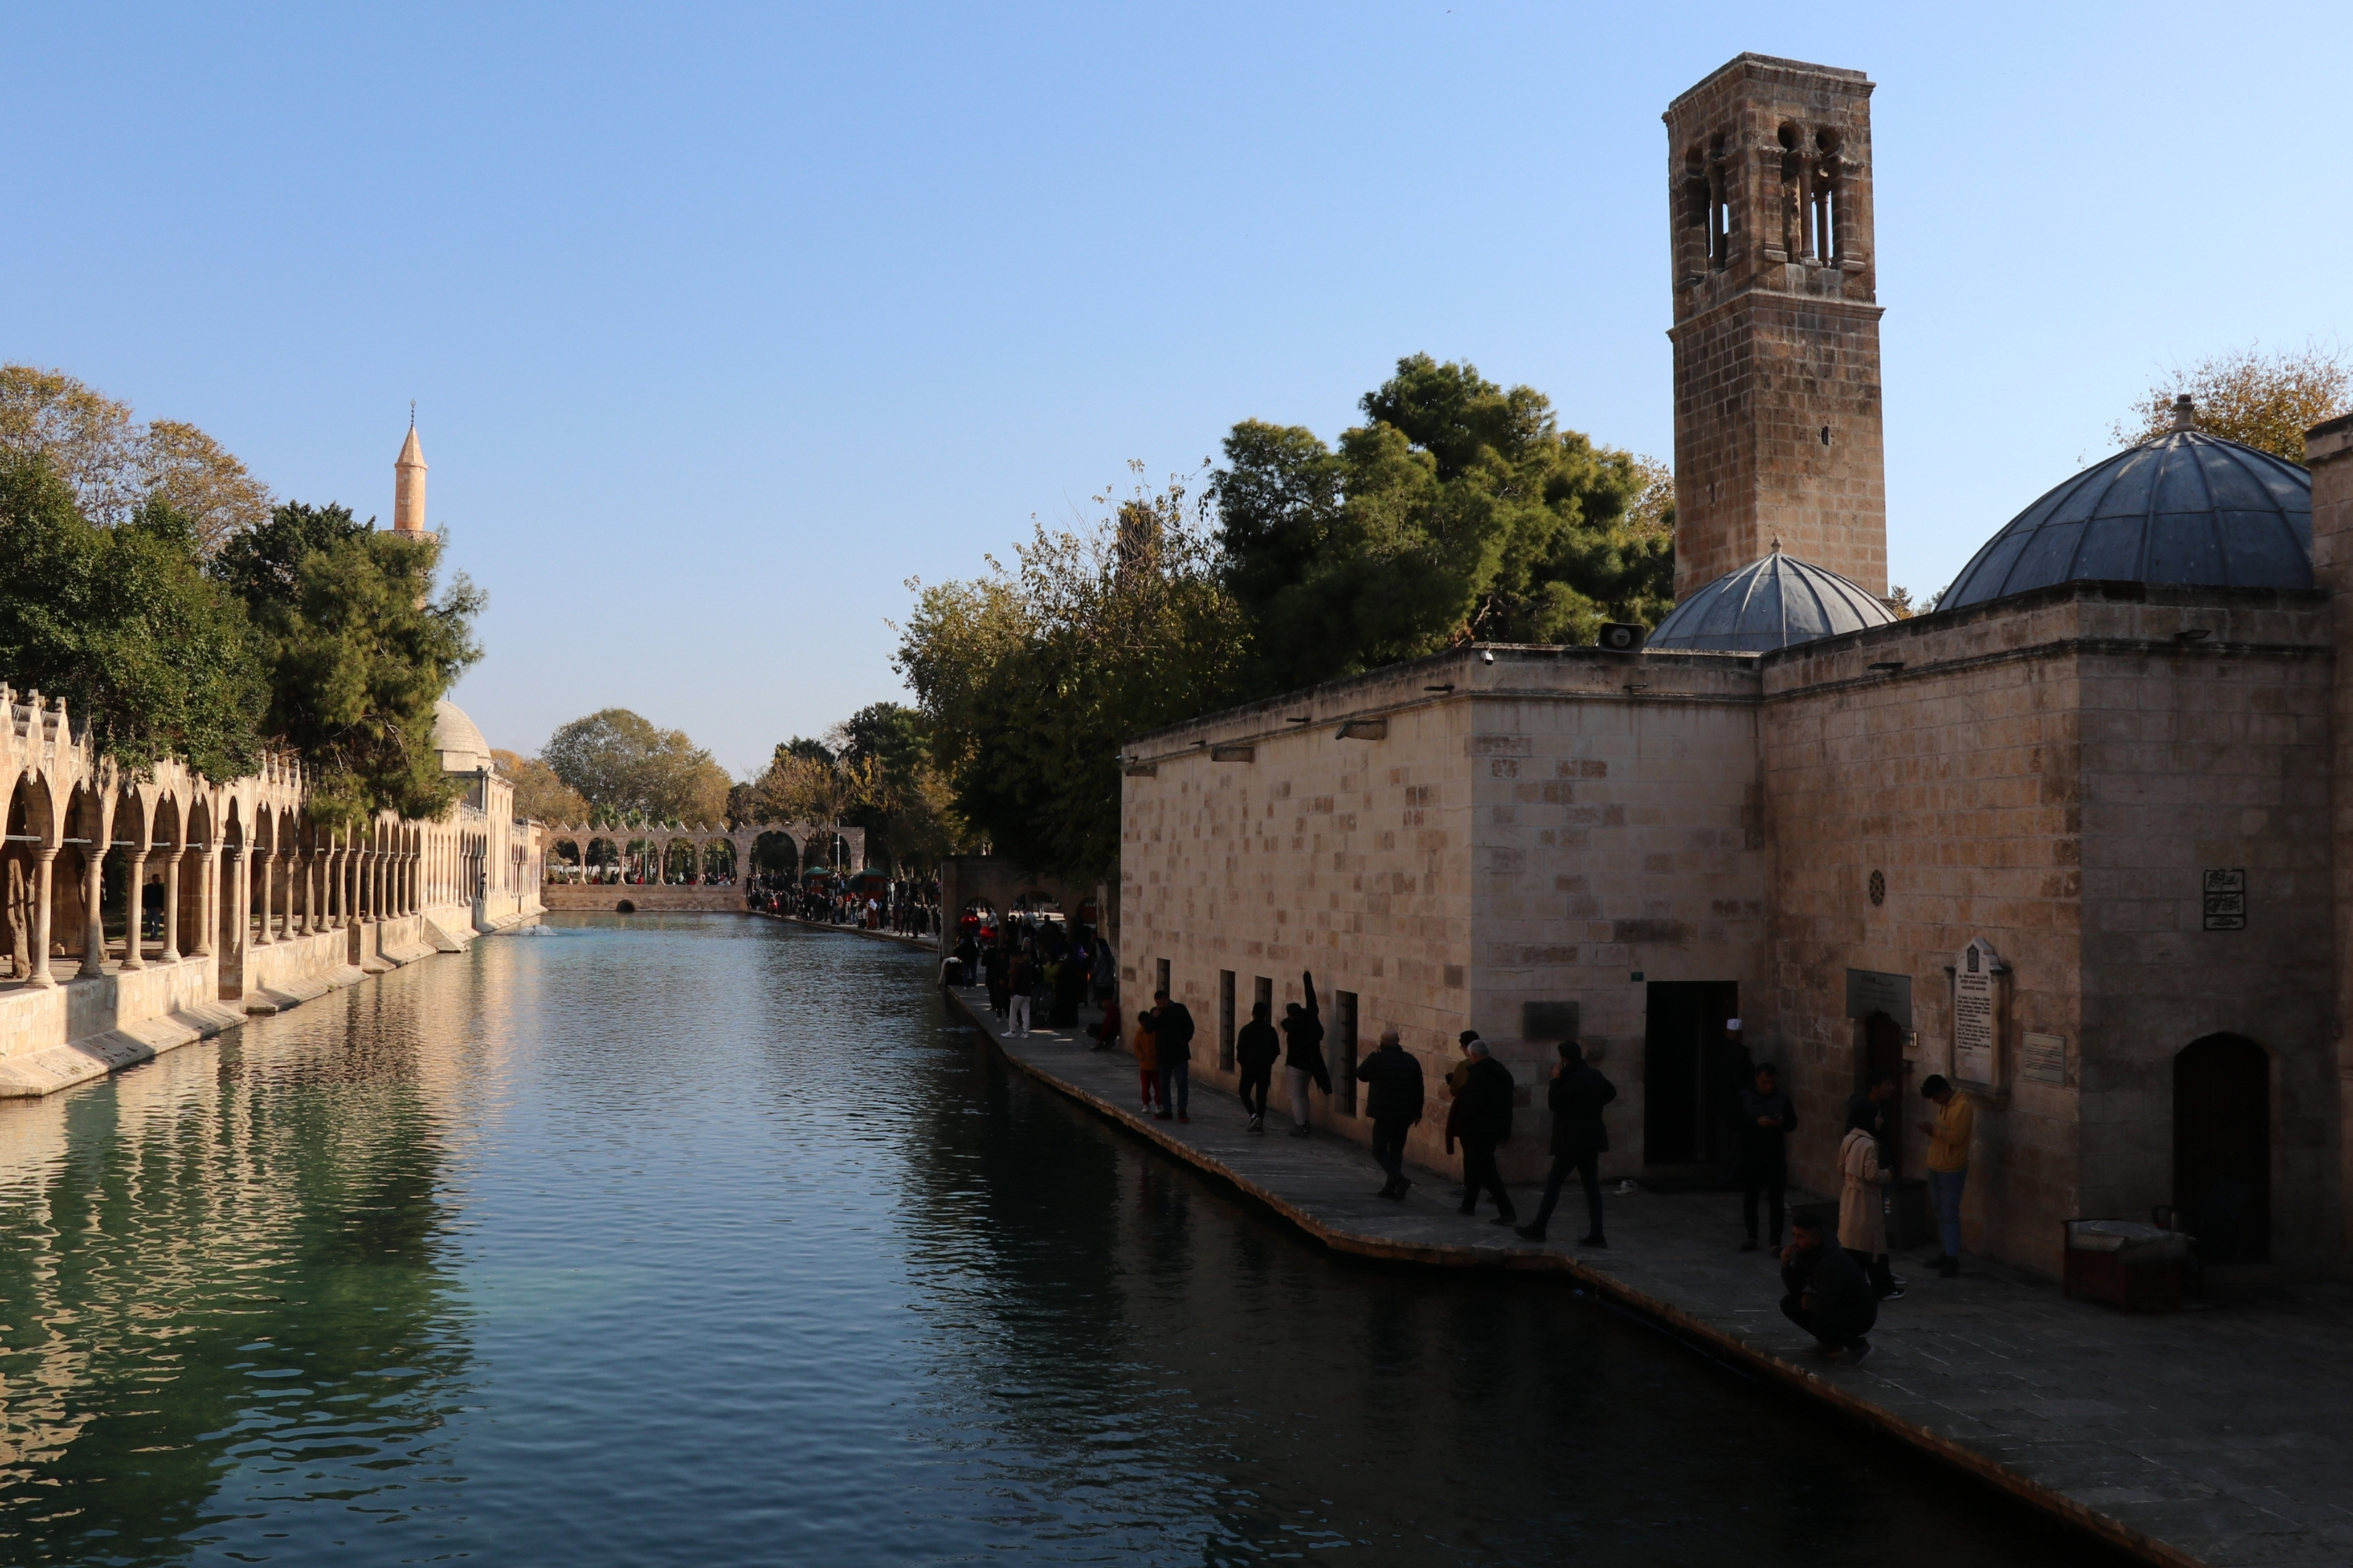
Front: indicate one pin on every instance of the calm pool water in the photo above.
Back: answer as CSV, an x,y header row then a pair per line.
x,y
698,1240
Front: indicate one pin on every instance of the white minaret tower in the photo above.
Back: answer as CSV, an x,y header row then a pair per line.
x,y
409,483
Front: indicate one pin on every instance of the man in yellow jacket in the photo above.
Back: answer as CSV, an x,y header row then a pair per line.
x,y
1949,1164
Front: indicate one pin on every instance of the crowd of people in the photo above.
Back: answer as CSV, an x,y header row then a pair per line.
x,y
906,905
1039,970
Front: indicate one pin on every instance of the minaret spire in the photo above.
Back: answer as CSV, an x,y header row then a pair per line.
x,y
408,482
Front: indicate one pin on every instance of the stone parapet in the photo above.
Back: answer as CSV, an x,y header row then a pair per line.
x,y
607,897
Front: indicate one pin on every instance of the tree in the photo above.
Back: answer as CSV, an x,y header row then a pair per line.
x,y
1030,682
2260,400
122,624
115,465
627,769
539,795
198,478
357,652
1459,511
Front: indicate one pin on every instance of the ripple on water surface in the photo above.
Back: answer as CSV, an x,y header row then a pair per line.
x,y
700,1240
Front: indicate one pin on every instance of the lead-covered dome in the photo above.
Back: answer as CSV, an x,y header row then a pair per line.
x,y
2184,508
459,740
1766,605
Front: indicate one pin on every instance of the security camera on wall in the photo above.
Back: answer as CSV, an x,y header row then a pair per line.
x,y
1619,637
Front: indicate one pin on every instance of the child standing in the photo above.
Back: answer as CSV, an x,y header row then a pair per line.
x,y
1147,1058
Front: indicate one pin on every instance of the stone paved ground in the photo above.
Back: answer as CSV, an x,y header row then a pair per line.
x,y
2222,1435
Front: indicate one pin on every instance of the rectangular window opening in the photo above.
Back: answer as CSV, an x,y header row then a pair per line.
x,y
1226,1020
1343,1052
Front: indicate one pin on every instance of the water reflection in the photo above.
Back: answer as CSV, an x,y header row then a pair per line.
x,y
227,1293
693,1240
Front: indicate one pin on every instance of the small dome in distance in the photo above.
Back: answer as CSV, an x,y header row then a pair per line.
x,y
2183,507
459,740
1766,605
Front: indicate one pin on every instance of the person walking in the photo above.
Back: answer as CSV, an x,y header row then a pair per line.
x,y
997,965
1255,1050
1576,1096
1826,1293
1147,1056
1482,1118
1766,1117
1303,1033
1393,1100
1949,1164
1862,1204
1023,980
1172,1035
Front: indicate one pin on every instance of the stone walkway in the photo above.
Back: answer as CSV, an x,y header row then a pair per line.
x,y
2220,1435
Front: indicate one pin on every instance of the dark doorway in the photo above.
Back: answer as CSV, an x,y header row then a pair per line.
x,y
2223,1147
1882,1052
1686,1075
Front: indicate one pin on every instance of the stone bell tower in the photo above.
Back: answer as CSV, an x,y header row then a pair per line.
x,y
409,483
1776,323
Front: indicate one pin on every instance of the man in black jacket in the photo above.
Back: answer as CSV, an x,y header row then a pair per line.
x,y
1830,1296
1482,1118
1303,1057
1392,1081
997,964
1767,1115
1255,1050
1171,1051
1576,1097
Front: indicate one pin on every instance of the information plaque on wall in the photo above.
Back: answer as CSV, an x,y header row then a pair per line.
x,y
2226,899
1975,1031
2042,1059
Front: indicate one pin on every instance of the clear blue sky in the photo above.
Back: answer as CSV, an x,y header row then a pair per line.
x,y
723,323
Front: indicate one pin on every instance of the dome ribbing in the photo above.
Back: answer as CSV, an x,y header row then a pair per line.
x,y
1767,605
2183,507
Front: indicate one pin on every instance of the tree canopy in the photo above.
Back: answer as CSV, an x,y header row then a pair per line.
x,y
113,465
1030,682
627,769
539,795
1460,511
356,651
122,623
2260,400
877,773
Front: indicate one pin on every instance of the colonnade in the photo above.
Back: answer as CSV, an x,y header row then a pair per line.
x,y
237,865
742,839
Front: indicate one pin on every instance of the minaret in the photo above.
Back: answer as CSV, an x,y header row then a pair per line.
x,y
409,483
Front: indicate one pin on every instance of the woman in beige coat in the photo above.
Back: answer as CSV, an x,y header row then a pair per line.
x,y
1862,1208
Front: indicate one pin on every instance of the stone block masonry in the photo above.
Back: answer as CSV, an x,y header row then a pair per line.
x,y
1778,419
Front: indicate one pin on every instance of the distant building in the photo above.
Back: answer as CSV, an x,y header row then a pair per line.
x,y
2068,839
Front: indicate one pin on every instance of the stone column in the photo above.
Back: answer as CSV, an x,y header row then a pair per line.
x,y
172,893
208,896
241,921
44,860
265,861
133,955
93,880
2329,453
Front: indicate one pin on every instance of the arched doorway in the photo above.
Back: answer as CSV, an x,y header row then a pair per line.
x,y
2222,1146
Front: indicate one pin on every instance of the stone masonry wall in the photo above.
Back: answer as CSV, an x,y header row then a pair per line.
x,y
1524,832
2047,774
